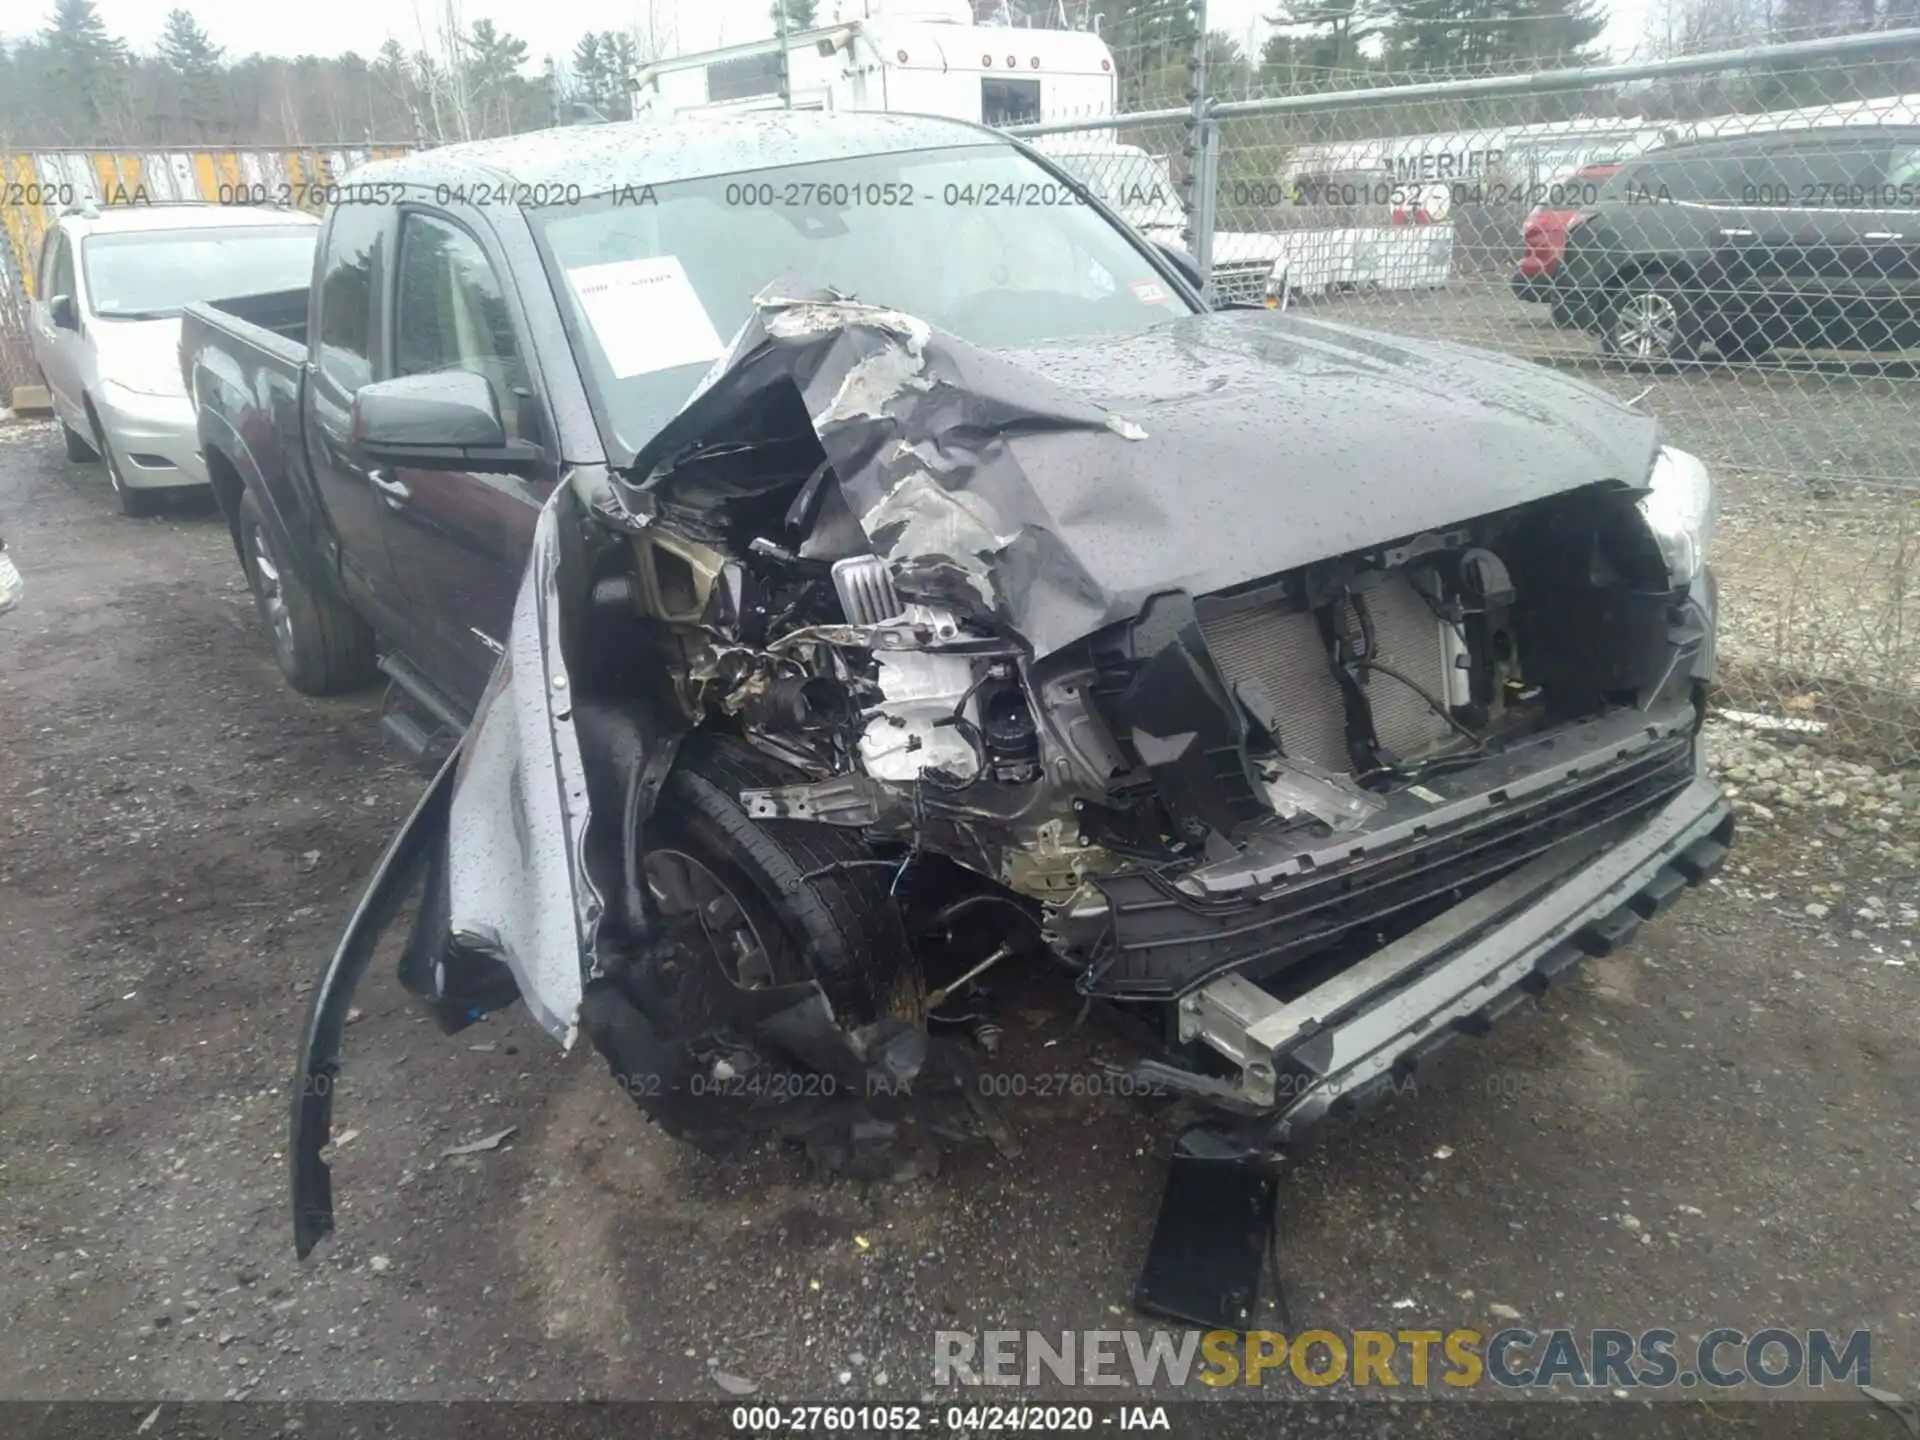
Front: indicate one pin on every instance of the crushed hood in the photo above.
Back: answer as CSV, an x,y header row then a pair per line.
x,y
1056,487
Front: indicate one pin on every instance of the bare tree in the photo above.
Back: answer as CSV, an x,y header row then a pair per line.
x,y
655,33
1691,27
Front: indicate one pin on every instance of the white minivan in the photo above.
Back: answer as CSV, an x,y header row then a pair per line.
x,y
105,322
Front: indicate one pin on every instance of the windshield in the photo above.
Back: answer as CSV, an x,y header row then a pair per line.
x,y
155,274
978,240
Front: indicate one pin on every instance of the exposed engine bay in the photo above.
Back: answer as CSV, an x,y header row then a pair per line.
x,y
1293,706
1239,782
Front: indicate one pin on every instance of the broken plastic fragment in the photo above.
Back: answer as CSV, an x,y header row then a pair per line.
x,y
1298,786
485,1142
1125,428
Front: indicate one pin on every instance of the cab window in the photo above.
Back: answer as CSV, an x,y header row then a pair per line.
x,y
451,314
346,295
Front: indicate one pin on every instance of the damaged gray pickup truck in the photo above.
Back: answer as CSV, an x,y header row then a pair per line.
x,y
883,570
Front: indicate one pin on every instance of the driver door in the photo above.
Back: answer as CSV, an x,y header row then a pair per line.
x,y
460,539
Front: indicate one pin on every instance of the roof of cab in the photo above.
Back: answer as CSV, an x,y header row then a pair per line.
x,y
181,215
599,158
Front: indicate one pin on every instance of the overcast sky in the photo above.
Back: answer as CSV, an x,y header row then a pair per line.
x,y
552,26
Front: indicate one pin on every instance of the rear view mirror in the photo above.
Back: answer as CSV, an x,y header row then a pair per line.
x,y
447,420
60,310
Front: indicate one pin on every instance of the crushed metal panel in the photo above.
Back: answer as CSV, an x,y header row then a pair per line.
x,y
1033,487
520,892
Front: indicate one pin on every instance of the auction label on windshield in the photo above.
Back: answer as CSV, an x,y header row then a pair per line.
x,y
645,315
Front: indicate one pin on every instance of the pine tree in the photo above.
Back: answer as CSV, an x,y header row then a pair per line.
x,y
620,57
1151,41
188,51
1340,28
186,48
589,70
86,64
1479,37
800,15
493,60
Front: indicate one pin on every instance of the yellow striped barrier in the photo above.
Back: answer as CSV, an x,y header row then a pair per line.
x,y
36,186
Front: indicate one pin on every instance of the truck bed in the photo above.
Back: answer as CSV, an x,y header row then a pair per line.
x,y
275,312
244,360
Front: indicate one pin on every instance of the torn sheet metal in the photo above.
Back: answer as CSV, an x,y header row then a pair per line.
x,y
520,889
1056,487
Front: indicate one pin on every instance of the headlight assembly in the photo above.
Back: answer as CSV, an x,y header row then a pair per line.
x,y
1678,507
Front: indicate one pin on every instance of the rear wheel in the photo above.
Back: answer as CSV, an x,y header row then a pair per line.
x,y
320,645
1651,321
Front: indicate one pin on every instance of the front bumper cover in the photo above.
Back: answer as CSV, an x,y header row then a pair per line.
x,y
1350,1040
157,438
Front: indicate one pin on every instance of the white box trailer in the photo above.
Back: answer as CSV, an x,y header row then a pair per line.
x,y
921,57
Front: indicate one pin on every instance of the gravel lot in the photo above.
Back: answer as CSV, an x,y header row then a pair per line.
x,y
1716,1128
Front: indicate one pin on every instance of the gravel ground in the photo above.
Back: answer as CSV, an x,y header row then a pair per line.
x,y
1717,1127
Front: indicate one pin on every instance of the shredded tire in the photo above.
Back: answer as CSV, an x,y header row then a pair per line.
x,y
668,1020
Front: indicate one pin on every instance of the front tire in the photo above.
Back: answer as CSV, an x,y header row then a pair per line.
x,y
743,905
1651,320
320,645
133,503
78,450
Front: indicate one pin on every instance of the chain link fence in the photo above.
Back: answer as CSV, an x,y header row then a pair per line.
x,y
1728,241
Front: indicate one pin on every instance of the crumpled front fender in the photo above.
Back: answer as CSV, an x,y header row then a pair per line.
x,y
502,834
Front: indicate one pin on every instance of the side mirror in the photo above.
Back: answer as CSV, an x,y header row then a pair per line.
x,y
64,316
1188,267
445,421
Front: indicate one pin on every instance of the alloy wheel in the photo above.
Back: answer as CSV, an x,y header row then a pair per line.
x,y
1645,326
272,592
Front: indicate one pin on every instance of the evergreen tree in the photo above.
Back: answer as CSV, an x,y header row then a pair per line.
x,y
1480,37
85,62
1151,41
1549,34
620,57
1337,30
590,71
186,48
800,15
493,61
194,99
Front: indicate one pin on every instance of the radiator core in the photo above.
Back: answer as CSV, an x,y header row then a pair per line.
x,y
1280,647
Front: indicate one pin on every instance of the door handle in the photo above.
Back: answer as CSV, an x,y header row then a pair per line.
x,y
1883,235
395,492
